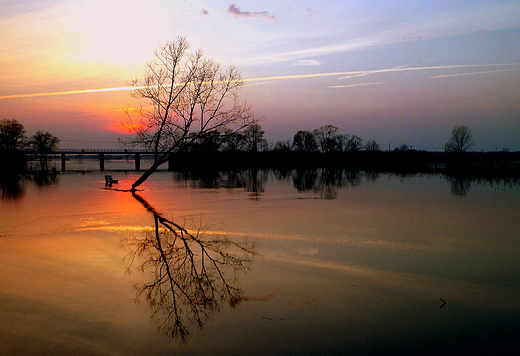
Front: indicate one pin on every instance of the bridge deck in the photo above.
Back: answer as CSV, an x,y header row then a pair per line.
x,y
94,151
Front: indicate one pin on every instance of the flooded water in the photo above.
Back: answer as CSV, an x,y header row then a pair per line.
x,y
259,263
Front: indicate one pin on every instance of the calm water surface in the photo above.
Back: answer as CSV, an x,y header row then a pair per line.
x,y
315,263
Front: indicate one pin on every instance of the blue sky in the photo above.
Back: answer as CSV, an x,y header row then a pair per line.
x,y
393,71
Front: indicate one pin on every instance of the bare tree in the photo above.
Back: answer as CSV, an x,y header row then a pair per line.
x,y
232,141
282,146
353,144
402,148
188,97
12,140
327,138
43,143
254,137
304,141
461,139
372,145
12,135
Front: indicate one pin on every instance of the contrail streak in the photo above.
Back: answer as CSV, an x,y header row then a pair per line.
x,y
16,96
282,77
474,73
352,85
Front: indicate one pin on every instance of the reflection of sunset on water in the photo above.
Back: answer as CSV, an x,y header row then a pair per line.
x,y
368,252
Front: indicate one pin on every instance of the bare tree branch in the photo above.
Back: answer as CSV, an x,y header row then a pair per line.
x,y
183,89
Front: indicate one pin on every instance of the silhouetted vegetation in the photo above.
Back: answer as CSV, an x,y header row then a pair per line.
x,y
326,147
225,149
194,101
13,141
461,139
43,143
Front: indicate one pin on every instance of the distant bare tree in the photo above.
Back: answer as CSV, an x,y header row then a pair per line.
x,y
327,138
461,139
12,135
12,140
188,97
342,142
372,145
354,144
304,141
298,141
402,148
254,137
282,146
43,143
233,141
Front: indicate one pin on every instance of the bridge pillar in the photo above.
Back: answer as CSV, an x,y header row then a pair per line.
x,y
137,162
101,161
63,162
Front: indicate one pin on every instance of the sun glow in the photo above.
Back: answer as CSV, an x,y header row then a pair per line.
x,y
119,30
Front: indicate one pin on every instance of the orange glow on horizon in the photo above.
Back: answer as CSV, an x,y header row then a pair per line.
x,y
118,128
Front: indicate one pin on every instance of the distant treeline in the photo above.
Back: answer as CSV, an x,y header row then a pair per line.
x,y
322,147
326,147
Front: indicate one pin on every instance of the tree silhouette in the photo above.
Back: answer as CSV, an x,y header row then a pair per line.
x,y
254,137
188,97
304,141
353,144
327,138
43,143
12,140
460,141
12,135
372,145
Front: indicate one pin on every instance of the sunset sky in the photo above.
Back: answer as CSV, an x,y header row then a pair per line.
x,y
392,71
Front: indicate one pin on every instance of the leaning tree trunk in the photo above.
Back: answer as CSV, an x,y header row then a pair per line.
x,y
147,173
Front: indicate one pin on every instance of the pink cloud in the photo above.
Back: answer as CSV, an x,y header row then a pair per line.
x,y
235,11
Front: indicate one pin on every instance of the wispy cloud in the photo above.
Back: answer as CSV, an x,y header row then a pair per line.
x,y
235,11
342,75
308,62
352,45
352,85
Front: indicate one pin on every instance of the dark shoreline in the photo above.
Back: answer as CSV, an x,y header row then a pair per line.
x,y
471,163
481,164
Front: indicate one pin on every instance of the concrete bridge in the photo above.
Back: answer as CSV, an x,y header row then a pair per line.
x,y
101,153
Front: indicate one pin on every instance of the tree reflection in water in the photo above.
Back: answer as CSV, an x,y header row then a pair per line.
x,y
194,273
13,185
326,181
460,186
